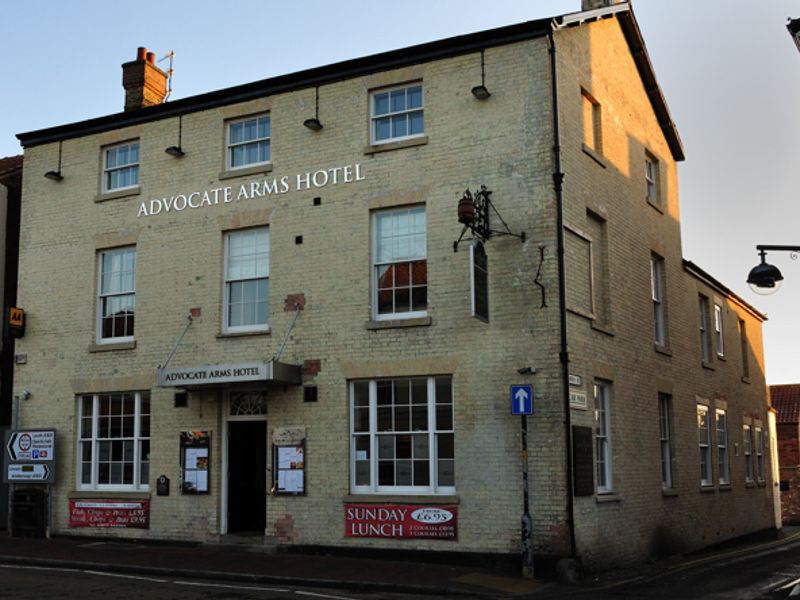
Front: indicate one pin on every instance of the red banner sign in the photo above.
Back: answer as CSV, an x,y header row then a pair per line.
x,y
109,513
401,521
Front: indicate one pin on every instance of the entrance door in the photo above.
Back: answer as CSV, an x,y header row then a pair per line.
x,y
247,476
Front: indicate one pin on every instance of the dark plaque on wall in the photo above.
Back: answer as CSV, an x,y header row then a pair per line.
x,y
582,461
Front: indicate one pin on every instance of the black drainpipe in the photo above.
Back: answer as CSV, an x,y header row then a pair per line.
x,y
558,181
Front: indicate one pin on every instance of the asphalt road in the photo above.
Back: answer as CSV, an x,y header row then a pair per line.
x,y
45,583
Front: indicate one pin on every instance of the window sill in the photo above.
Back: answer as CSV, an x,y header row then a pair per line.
x,y
606,498
749,484
707,489
104,196
401,499
111,347
604,329
721,357
707,365
97,495
662,350
669,492
245,171
388,146
581,313
398,323
762,483
237,334
725,487
594,155
745,380
655,204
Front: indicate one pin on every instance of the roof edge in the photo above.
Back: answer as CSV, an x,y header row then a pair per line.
x,y
334,72
707,278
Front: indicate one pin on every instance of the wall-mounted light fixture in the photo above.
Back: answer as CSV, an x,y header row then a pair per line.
x,y
480,91
314,124
56,175
177,151
764,278
473,213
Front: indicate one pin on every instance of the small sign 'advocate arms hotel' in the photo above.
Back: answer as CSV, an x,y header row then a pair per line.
x,y
261,283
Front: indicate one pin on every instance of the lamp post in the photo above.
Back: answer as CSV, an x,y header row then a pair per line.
x,y
765,278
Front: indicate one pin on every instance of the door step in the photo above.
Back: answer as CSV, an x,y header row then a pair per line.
x,y
251,542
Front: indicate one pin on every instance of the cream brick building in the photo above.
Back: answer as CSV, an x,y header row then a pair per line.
x,y
298,300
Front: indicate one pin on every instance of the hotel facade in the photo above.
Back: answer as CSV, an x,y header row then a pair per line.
x,y
296,309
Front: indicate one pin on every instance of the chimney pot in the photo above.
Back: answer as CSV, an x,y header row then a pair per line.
x,y
145,84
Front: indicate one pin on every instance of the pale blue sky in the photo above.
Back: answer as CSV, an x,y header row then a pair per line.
x,y
728,69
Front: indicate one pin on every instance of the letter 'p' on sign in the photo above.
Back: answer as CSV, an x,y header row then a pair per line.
x,y
16,321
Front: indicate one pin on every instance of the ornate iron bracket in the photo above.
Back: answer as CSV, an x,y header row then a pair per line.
x,y
473,213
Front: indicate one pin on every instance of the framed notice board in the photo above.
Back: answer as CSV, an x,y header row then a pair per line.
x,y
195,458
288,468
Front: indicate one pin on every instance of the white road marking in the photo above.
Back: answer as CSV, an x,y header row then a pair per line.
x,y
231,587
786,586
39,568
104,574
299,593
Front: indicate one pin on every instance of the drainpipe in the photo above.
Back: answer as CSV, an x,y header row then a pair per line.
x,y
558,181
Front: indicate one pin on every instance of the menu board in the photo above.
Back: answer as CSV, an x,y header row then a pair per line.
x,y
195,452
289,462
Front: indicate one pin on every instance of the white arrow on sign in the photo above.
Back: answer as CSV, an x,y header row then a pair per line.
x,y
522,397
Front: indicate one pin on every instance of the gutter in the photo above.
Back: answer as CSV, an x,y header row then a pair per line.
x,y
558,181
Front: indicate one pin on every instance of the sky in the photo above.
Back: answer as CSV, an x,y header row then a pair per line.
x,y
728,69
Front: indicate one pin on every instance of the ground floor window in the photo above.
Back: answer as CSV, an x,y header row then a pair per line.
x,y
402,435
114,441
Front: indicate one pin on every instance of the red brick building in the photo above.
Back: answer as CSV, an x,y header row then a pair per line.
x,y
786,401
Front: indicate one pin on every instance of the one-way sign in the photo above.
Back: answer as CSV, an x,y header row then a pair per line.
x,y
522,399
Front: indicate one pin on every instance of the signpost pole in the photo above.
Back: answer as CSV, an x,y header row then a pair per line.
x,y
527,522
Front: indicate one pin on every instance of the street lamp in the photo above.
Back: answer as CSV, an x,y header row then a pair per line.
x,y
765,278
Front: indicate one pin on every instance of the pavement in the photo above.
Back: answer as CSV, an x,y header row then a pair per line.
x,y
256,564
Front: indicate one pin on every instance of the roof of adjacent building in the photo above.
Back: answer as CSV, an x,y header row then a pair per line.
x,y
10,163
445,48
786,401
715,283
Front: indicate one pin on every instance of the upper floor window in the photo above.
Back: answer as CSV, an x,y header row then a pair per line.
x,y
248,142
657,292
747,444
759,440
718,334
665,429
479,278
246,280
705,336
121,167
744,347
400,266
651,178
402,436
704,442
592,126
117,295
114,441
721,427
397,114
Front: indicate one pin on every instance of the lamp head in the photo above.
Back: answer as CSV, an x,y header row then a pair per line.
x,y
54,175
480,92
764,278
175,151
313,124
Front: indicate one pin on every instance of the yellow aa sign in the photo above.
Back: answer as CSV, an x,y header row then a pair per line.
x,y
16,317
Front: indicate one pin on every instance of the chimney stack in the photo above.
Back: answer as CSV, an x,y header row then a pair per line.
x,y
593,4
145,84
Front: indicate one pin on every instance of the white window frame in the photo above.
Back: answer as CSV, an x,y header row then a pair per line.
x,y
229,146
376,265
759,439
432,433
226,326
747,445
651,178
602,437
705,335
474,267
718,330
721,428
94,442
132,167
704,443
665,431
102,297
657,296
374,117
